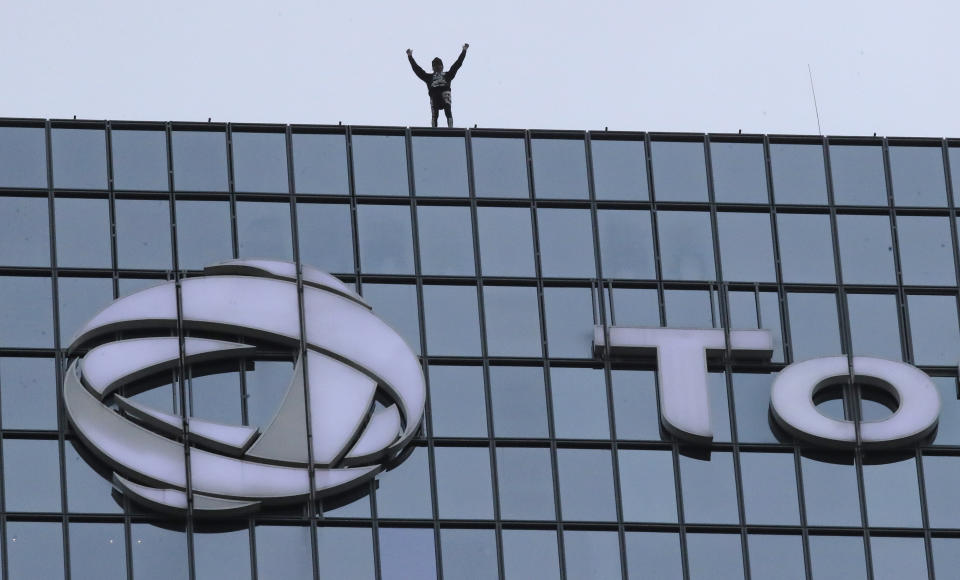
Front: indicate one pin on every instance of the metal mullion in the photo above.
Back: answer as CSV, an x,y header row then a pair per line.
x,y
548,392
231,191
484,351
607,376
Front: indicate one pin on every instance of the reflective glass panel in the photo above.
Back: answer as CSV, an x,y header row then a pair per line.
x,y
23,157
798,173
83,232
586,485
830,491
139,160
926,251
263,230
457,401
35,550
499,167
566,243
690,308
525,480
679,171
897,558
644,475
326,236
559,168
746,247
25,235
714,556
954,157
758,310
635,405
530,554
946,556
283,552
769,488
216,397
917,175
386,239
866,250
686,245
940,474
948,429
464,490
397,305
79,158
80,299
320,164
203,233
626,244
199,161
469,553
221,554
404,491
266,383
619,169
858,175
633,307
519,403
506,241
87,490
31,475
439,166
260,162
933,329
446,243
407,553
569,313
738,172
512,321
892,492
28,393
97,551
873,325
653,555
453,325
806,248
813,325
143,234
345,552
776,556
158,553
751,393
709,491
26,312
837,558
380,165
579,403
591,554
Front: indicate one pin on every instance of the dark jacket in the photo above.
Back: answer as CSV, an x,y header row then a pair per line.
x,y
437,83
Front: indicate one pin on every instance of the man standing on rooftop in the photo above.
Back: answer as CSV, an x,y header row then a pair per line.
x,y
438,84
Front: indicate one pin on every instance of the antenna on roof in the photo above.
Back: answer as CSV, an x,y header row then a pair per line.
x,y
815,107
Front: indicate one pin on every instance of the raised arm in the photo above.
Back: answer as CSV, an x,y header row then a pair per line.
x,y
459,62
416,67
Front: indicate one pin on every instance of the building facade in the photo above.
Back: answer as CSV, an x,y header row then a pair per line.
x,y
494,253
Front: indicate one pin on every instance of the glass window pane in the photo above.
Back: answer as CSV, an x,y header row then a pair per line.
x,y
457,403
948,429
380,165
769,488
23,157
892,492
386,239
830,490
499,167
326,236
519,403
143,234
283,552
634,307
752,395
513,321
946,556
933,329
686,245
709,491
940,474
265,384
320,164
714,556
446,243
199,160
866,251
806,248
203,233
690,308
586,485
873,325
738,172
746,248
83,232
758,310
926,251
506,241
139,160
31,475
591,554
619,169
813,325
530,554
397,305
35,550
525,480
679,171
469,553
216,397
644,475
559,168
407,553
453,325
897,558
858,175
26,312
404,491
79,158
464,490
158,553
345,552
219,554
798,173
25,235
566,243
88,491
917,175
626,244
97,551
653,555
954,157
28,393
439,166
579,403
80,299
635,405
260,162
569,313
837,558
775,556
263,230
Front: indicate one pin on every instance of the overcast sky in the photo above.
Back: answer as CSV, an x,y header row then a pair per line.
x,y
878,66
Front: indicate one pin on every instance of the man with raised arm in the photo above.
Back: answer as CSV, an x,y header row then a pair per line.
x,y
438,84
